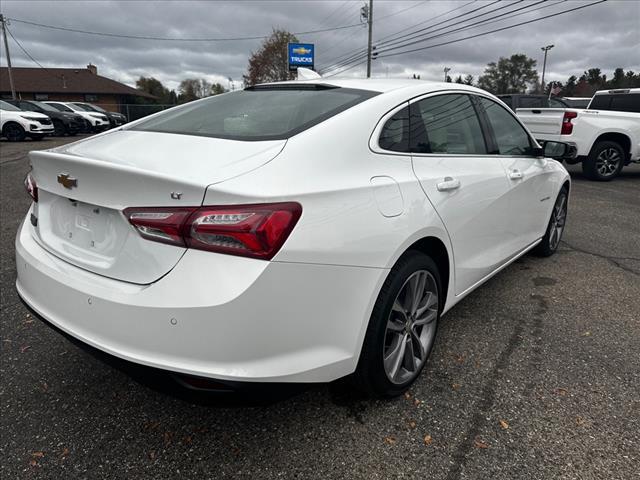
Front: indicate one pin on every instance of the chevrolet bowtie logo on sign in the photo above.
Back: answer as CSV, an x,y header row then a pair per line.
x,y
66,181
300,55
301,51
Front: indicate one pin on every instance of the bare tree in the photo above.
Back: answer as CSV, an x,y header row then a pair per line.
x,y
269,63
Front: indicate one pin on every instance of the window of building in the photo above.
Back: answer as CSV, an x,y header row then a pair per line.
x,y
41,96
90,98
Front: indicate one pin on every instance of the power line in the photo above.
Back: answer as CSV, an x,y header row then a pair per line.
x,y
173,39
29,55
350,53
420,38
333,12
428,27
398,38
403,41
494,31
476,35
402,11
486,21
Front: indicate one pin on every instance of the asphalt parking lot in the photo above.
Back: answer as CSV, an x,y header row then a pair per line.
x,y
534,375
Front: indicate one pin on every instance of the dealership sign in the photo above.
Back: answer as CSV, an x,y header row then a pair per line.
x,y
300,55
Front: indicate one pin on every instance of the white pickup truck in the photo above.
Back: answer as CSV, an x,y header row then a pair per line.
x,y
606,135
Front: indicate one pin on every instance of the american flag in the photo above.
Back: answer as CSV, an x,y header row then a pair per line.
x,y
555,89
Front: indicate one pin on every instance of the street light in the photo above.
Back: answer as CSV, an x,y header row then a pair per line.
x,y
544,64
446,70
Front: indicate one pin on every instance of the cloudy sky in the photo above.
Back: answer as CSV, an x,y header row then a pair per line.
x,y
606,35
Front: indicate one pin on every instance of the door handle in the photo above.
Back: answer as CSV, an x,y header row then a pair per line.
x,y
449,183
515,174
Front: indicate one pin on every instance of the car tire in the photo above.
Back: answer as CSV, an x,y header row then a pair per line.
x,y
58,128
605,161
555,228
399,337
13,132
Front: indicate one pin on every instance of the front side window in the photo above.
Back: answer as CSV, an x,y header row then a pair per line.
x,y
446,124
511,138
257,113
27,107
395,133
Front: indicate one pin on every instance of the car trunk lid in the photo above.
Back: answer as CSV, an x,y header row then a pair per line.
x,y
84,187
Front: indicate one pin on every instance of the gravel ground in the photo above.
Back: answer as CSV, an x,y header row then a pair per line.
x,y
535,375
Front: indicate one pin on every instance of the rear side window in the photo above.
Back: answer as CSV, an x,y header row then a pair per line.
x,y
258,113
532,102
629,102
510,137
395,133
447,124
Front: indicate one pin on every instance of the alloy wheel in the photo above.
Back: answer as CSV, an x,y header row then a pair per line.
x,y
608,161
411,327
558,220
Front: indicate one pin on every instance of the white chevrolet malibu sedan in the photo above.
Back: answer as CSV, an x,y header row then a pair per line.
x,y
289,232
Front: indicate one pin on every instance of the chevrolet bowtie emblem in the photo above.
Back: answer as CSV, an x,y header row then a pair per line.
x,y
66,181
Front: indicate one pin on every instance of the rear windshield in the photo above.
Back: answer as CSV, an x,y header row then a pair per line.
x,y
257,113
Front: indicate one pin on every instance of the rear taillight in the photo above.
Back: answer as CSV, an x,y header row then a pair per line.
x,y
567,126
256,231
160,224
31,187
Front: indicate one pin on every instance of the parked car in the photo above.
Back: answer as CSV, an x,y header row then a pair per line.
x,y
606,135
63,122
97,121
287,232
115,119
577,102
517,100
16,124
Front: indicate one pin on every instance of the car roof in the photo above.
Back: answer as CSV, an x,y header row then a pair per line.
x,y
617,91
383,85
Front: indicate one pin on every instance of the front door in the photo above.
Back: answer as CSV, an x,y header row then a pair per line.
x,y
467,186
531,191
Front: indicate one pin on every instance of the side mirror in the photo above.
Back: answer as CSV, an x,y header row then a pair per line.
x,y
556,150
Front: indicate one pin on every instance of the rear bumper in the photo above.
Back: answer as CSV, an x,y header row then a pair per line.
x,y
214,316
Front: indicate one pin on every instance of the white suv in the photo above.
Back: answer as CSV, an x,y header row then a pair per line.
x,y
98,121
15,124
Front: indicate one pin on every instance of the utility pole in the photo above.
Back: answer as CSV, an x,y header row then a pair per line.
x,y
544,64
6,48
370,22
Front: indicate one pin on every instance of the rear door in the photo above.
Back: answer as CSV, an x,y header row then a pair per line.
x,y
467,186
530,192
